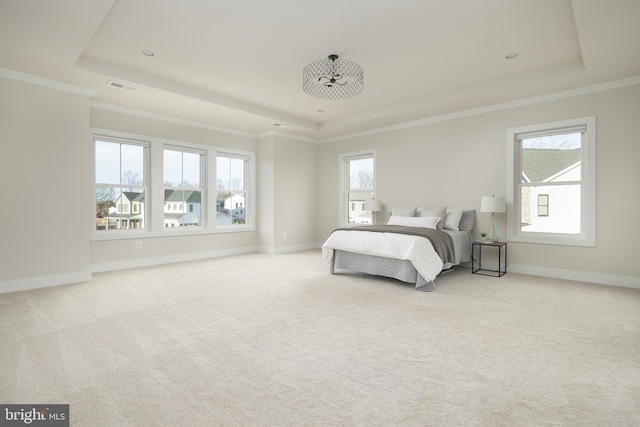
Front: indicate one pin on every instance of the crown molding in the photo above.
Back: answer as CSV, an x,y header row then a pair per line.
x,y
170,119
288,135
57,85
41,81
585,90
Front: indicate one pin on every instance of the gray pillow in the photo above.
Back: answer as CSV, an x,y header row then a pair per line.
x,y
467,221
403,212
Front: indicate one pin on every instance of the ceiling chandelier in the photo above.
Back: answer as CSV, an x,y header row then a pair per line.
x,y
333,78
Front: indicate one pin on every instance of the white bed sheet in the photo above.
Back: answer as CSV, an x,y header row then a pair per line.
x,y
418,250
462,241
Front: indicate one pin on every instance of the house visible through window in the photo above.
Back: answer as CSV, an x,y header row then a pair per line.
x,y
183,184
120,183
555,161
357,181
164,187
232,191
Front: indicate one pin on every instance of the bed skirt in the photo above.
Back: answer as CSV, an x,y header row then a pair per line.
x,y
397,269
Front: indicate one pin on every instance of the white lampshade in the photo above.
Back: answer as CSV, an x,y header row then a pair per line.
x,y
493,204
372,205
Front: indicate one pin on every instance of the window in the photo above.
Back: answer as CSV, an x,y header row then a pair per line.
x,y
166,187
357,184
120,183
183,183
231,184
543,205
552,161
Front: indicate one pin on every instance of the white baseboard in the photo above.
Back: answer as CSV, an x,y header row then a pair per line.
x,y
170,259
67,279
44,281
577,275
288,249
580,276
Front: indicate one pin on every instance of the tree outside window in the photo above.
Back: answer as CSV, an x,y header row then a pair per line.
x,y
359,185
120,185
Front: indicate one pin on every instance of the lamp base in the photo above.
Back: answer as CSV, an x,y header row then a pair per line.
x,y
493,233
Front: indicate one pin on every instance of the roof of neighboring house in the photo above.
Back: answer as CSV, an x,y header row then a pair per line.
x,y
182,218
189,196
173,215
189,218
226,196
195,197
133,196
540,164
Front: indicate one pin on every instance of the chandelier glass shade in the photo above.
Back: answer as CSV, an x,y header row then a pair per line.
x,y
333,78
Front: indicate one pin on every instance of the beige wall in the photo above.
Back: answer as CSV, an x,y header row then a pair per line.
x,y
45,173
266,192
454,162
287,193
295,182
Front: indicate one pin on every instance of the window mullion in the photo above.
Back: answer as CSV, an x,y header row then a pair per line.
x,y
549,184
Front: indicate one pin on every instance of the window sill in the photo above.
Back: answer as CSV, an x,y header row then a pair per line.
x,y
553,239
142,234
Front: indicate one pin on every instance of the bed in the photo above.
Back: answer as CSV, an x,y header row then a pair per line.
x,y
394,250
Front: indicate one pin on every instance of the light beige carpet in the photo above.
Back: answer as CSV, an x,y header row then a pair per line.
x,y
271,340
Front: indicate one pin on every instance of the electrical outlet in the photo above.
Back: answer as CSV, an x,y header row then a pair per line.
x,y
138,244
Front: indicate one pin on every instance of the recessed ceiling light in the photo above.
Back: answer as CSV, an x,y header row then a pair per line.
x,y
148,53
511,56
279,125
321,111
121,85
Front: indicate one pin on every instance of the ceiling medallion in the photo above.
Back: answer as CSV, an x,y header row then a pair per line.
x,y
333,78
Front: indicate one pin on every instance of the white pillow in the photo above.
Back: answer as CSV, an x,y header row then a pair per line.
x,y
452,219
403,212
439,212
414,221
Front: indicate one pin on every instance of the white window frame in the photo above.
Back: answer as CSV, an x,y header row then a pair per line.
x,y
202,188
154,188
344,180
128,140
587,235
249,184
